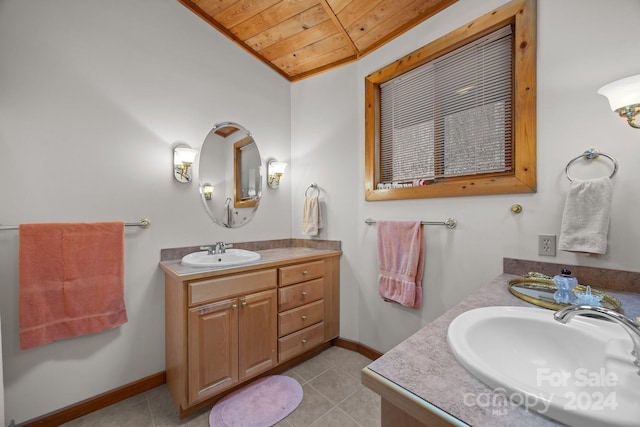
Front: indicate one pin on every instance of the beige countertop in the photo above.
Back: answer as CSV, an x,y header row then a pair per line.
x,y
268,258
423,372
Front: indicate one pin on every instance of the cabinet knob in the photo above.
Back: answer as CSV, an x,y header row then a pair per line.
x,y
304,341
234,306
304,293
304,317
244,303
305,272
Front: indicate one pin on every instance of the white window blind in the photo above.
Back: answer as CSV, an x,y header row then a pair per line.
x,y
451,116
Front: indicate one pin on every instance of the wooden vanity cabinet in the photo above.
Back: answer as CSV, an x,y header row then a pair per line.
x,y
230,341
220,331
223,330
306,299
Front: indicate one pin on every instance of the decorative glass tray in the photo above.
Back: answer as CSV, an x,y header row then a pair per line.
x,y
538,289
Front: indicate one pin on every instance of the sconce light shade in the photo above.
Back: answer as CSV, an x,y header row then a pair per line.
x,y
207,190
624,98
275,170
183,158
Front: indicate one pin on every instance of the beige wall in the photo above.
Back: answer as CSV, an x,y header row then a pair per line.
x,y
94,96
95,93
580,48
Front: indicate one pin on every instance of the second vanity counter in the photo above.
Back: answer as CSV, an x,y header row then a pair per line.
x,y
421,377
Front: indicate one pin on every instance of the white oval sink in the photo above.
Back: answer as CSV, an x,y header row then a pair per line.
x,y
580,373
227,259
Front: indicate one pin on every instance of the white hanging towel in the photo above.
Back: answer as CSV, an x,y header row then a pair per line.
x,y
585,221
312,219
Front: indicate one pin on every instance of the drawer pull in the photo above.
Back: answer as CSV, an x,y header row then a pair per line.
x,y
304,317
305,272
304,341
304,293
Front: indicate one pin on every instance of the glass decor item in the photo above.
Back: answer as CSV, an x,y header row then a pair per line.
x,y
566,284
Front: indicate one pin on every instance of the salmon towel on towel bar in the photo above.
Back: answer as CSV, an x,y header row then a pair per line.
x,y
401,261
71,280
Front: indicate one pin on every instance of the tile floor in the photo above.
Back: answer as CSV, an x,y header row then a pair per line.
x,y
333,397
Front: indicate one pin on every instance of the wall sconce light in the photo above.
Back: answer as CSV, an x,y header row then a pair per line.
x,y
624,98
207,190
275,170
183,158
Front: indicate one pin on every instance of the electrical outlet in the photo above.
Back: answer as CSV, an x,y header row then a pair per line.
x,y
547,244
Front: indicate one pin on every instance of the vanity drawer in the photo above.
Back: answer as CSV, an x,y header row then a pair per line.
x,y
303,293
301,341
301,272
299,318
224,287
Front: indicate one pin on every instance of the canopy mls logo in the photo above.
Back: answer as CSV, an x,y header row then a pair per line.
x,y
581,390
499,400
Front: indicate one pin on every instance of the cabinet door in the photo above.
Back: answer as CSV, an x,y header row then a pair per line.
x,y
213,348
258,334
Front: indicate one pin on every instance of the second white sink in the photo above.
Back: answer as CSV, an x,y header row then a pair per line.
x,y
231,257
580,373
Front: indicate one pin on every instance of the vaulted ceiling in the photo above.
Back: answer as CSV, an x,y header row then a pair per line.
x,y
300,38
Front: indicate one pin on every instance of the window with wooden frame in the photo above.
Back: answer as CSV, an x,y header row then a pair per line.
x,y
457,117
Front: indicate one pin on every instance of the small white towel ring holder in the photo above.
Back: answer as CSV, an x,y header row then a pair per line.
x,y
591,154
312,187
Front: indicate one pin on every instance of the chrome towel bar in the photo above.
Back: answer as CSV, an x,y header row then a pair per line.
x,y
449,222
143,223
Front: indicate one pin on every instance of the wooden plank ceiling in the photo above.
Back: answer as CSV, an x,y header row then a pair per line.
x,y
300,38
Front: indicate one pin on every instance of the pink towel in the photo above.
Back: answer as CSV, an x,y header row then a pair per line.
x,y
401,261
71,280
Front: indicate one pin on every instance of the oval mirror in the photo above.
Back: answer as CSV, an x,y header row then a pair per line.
x,y
230,175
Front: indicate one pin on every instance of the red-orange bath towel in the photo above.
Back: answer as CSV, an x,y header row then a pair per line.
x,y
71,280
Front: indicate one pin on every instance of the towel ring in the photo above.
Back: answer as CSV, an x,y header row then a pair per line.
x,y
312,187
591,154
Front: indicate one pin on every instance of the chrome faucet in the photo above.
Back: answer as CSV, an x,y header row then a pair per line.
x,y
632,327
216,248
209,249
220,248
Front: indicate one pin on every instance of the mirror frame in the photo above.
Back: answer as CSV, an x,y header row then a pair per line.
x,y
239,202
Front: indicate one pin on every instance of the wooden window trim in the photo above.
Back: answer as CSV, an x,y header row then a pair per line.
x,y
522,15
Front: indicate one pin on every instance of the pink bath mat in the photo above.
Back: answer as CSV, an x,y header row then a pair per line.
x,y
262,403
